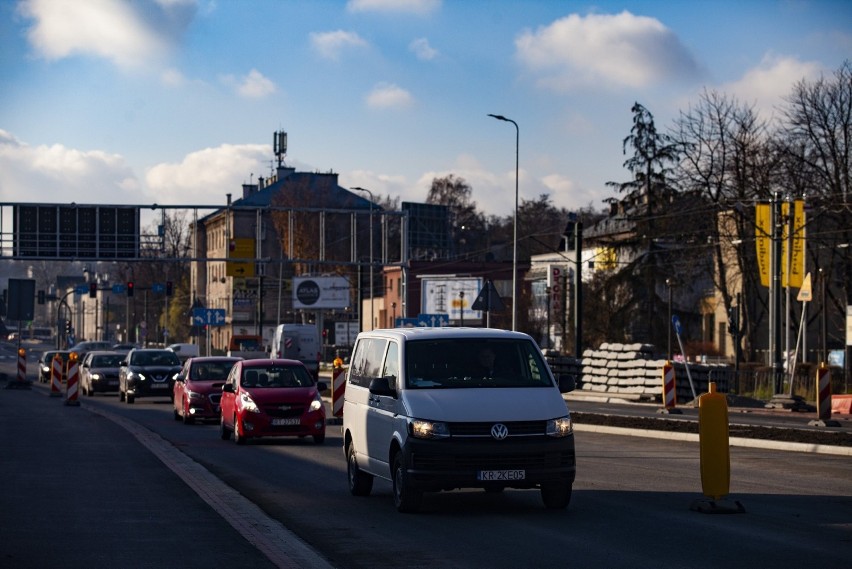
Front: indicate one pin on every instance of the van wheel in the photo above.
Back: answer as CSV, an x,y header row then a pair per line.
x,y
129,397
360,483
405,497
556,496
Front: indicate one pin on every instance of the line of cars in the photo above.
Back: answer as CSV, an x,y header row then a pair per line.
x,y
248,398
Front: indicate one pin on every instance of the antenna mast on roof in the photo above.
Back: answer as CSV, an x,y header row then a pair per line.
x,y
280,146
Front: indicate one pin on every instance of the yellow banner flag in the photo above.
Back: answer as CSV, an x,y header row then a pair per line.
x,y
763,233
796,258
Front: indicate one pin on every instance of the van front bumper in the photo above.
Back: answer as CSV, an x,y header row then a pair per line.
x,y
445,464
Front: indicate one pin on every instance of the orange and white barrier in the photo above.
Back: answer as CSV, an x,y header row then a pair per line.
x,y
338,389
669,390
22,365
823,381
71,391
56,376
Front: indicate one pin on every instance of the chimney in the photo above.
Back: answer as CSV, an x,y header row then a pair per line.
x,y
249,189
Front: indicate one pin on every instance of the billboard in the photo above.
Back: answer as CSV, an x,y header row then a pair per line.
x,y
443,295
320,292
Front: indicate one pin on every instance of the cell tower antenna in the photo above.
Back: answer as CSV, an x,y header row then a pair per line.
x,y
280,146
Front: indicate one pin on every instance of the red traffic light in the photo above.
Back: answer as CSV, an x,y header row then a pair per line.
x,y
129,288
168,288
93,290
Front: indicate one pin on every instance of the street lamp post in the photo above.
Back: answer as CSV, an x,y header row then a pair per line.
x,y
515,239
372,300
669,283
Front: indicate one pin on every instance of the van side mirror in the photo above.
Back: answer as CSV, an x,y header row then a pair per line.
x,y
566,383
381,386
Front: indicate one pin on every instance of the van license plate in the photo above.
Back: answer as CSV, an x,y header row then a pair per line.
x,y
499,475
287,421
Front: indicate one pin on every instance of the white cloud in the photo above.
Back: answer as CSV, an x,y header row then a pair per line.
x,y
205,176
387,96
422,49
255,85
50,174
766,85
330,44
615,50
128,34
419,7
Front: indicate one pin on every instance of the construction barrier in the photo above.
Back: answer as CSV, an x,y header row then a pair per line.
x,y
22,365
823,389
669,390
714,444
56,376
338,388
841,404
71,391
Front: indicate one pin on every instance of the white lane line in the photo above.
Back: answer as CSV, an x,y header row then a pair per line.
x,y
279,544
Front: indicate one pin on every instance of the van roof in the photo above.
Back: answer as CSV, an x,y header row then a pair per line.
x,y
407,334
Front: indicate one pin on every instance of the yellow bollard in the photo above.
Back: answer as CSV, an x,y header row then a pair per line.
x,y
715,454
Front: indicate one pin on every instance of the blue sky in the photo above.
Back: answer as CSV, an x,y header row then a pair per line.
x,y
176,101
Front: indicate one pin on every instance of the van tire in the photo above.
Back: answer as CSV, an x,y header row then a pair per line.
x,y
360,483
556,496
406,498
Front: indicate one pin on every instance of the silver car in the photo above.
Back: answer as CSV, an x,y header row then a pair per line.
x,y
99,372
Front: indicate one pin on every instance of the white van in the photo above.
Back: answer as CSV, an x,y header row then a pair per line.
x,y
435,409
184,351
298,342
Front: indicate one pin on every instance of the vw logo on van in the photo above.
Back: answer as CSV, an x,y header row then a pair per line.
x,y
499,431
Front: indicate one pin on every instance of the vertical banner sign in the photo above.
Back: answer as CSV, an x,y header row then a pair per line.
x,y
763,232
554,281
797,241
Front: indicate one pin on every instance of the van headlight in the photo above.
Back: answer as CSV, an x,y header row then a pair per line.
x,y
560,427
420,429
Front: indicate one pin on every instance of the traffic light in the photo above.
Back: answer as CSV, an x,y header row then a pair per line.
x,y
129,288
93,290
67,326
168,288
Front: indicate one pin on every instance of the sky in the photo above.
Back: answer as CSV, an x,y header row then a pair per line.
x,y
176,101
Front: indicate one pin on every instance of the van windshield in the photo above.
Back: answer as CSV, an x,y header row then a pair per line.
x,y
474,363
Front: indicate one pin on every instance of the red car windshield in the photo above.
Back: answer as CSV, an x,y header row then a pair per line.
x,y
276,376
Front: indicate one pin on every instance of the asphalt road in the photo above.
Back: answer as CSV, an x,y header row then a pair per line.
x,y
109,484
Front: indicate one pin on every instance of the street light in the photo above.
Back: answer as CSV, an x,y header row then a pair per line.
x,y
372,300
515,241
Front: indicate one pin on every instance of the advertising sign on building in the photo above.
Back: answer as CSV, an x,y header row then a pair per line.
x,y
443,295
320,292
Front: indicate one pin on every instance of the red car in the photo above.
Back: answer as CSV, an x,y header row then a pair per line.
x,y
198,388
271,398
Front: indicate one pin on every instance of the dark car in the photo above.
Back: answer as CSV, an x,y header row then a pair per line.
x,y
271,398
146,372
45,365
198,388
99,372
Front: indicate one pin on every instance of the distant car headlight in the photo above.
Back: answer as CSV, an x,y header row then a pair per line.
x,y
248,403
136,375
195,396
45,369
96,376
316,404
561,427
421,429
